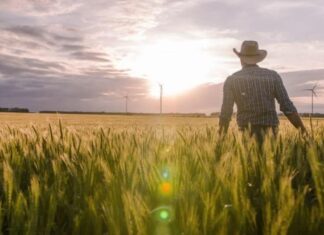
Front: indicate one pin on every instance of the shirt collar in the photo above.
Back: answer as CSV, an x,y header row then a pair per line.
x,y
251,66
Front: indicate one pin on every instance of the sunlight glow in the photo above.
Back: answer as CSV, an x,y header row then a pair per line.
x,y
178,65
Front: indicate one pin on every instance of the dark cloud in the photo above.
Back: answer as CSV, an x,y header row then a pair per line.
x,y
69,93
40,34
12,66
25,30
105,71
35,63
66,38
73,47
38,84
90,56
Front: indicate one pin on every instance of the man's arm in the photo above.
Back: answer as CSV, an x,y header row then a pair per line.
x,y
295,119
227,107
286,106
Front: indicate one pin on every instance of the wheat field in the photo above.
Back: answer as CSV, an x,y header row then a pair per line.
x,y
92,174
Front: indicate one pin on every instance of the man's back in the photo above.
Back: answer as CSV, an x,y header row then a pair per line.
x,y
254,91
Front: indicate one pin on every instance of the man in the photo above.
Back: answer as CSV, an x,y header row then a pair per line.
x,y
254,89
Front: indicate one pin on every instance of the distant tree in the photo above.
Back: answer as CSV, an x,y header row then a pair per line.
x,y
4,109
19,110
215,114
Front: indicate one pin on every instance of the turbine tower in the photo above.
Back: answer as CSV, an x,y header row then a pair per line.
x,y
312,90
161,97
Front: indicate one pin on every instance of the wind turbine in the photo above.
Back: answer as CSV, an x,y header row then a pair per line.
x,y
312,90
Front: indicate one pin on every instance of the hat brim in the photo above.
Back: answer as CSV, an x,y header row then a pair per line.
x,y
252,59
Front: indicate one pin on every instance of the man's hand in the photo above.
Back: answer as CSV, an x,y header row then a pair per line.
x,y
296,121
223,127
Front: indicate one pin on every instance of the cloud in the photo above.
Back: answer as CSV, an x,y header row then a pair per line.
x,y
73,47
28,31
277,6
40,7
90,56
11,67
39,33
291,20
44,85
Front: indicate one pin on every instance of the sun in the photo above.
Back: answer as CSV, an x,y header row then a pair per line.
x,y
178,65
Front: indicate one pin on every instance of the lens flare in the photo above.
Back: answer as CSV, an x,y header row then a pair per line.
x,y
164,215
166,188
166,174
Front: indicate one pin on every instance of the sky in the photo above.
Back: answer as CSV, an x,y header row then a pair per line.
x,y
87,55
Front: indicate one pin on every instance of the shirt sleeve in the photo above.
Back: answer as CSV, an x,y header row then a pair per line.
x,y
286,106
228,102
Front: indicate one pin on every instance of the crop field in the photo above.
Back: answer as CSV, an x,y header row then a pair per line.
x,y
92,174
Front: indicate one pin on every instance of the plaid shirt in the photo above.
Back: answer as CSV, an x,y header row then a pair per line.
x,y
254,91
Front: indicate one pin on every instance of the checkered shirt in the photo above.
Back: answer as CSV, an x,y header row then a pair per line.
x,y
254,90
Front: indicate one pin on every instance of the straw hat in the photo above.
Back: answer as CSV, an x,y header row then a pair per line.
x,y
250,52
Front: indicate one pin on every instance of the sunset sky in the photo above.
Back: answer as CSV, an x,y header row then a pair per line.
x,y
86,55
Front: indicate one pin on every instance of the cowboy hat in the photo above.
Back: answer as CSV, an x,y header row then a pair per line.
x,y
250,52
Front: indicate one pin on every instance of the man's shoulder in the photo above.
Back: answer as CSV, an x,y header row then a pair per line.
x,y
254,70
271,74
235,74
269,71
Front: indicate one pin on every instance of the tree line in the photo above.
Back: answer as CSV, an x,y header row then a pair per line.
x,y
14,110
